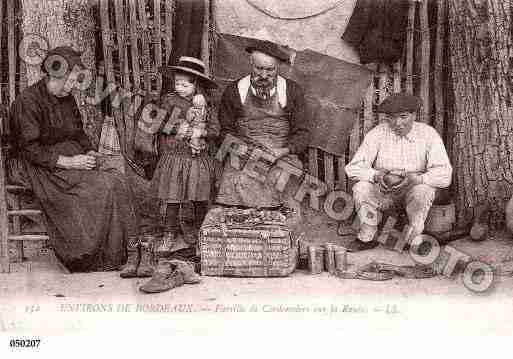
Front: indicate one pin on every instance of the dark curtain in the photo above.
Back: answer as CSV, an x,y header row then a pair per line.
x,y
188,29
377,29
187,32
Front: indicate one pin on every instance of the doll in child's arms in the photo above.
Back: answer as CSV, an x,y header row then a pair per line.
x,y
196,118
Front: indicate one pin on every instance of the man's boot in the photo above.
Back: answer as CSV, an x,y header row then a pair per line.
x,y
145,268
129,270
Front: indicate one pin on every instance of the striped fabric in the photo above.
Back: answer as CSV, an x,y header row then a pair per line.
x,y
109,140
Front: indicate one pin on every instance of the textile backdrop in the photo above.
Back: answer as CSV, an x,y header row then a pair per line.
x,y
333,88
305,24
187,29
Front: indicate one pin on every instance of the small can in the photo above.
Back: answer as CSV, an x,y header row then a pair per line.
x,y
330,257
302,262
341,259
315,259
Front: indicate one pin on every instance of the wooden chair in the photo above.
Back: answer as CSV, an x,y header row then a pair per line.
x,y
10,225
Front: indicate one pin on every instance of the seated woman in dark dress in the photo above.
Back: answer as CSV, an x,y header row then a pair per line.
x,y
89,212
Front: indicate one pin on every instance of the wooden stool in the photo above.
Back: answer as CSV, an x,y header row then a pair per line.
x,y
10,218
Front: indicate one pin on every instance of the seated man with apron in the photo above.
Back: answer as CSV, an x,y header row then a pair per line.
x,y
265,111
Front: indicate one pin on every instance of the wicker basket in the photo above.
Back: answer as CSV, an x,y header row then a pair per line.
x,y
260,250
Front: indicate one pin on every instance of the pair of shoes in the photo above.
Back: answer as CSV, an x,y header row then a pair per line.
x,y
170,274
139,263
358,246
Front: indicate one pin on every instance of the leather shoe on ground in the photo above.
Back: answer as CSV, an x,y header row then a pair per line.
x,y
358,246
187,269
165,277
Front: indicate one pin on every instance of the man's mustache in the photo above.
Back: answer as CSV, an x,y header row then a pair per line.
x,y
264,81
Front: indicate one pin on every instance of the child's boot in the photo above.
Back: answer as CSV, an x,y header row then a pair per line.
x,y
129,270
170,240
145,268
192,226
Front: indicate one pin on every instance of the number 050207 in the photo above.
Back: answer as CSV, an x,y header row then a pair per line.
x,y
24,343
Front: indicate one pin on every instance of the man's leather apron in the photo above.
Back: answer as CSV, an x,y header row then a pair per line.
x,y
265,124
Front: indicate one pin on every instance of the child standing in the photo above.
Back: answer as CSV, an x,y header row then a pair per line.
x,y
185,170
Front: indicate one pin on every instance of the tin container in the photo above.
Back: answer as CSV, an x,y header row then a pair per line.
x,y
315,259
302,262
329,260
341,259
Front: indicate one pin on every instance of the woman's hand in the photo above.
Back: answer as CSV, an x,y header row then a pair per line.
x,y
93,153
78,162
83,162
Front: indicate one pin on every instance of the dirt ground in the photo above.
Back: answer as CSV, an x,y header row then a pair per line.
x,y
38,295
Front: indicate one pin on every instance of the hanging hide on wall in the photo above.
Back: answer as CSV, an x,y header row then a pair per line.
x,y
333,88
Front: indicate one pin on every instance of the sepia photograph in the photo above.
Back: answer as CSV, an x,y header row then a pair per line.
x,y
180,172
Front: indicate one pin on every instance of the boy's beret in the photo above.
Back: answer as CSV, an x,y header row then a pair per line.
x,y
399,102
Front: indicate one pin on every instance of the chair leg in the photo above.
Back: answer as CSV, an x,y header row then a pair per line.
x,y
4,223
4,235
4,248
5,265
16,224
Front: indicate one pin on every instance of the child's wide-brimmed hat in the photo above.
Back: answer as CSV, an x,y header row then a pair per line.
x,y
192,66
